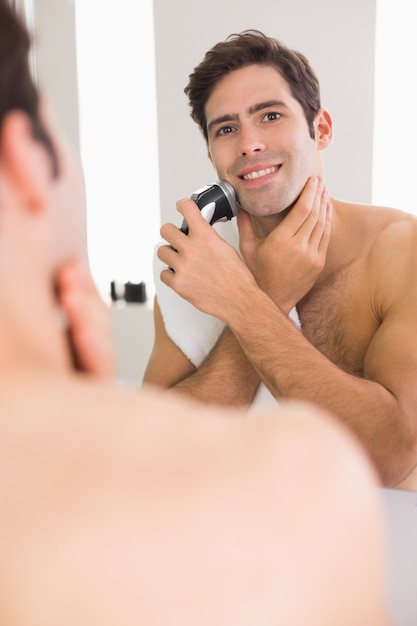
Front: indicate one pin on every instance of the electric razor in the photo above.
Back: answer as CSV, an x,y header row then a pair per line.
x,y
217,203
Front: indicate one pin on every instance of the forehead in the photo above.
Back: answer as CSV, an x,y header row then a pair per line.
x,y
238,92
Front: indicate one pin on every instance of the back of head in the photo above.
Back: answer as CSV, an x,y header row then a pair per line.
x,y
251,47
39,168
17,88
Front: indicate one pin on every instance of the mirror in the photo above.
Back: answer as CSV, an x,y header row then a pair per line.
x,y
346,75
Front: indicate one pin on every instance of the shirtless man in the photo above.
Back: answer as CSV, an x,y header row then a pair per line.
x,y
351,270
126,508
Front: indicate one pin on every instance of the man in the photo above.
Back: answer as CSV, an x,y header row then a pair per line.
x,y
126,508
349,269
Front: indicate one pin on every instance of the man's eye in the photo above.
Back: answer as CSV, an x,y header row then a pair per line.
x,y
272,116
225,130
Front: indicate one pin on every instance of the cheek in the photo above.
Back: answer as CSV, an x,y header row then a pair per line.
x,y
222,157
78,210
304,150
71,200
222,163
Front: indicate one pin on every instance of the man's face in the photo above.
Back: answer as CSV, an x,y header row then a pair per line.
x,y
259,140
66,195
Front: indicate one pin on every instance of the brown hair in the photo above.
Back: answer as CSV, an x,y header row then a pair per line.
x,y
17,89
251,47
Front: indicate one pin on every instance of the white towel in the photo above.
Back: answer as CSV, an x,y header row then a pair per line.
x,y
194,332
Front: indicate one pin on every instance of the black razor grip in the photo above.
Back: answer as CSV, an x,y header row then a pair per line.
x,y
217,203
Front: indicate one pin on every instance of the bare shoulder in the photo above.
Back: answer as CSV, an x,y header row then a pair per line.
x,y
393,259
102,426
174,443
321,454
395,226
383,241
113,492
375,222
218,459
265,497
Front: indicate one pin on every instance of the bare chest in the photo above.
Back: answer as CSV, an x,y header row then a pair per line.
x,y
336,317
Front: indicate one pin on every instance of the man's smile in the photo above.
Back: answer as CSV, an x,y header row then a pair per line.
x,y
259,173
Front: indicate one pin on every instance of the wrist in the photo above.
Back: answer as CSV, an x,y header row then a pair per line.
x,y
247,309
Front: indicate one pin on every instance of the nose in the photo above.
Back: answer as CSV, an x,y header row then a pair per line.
x,y
250,140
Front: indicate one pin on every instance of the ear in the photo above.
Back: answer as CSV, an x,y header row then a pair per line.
x,y
24,161
323,125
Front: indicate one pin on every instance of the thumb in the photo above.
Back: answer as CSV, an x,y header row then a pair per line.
x,y
191,213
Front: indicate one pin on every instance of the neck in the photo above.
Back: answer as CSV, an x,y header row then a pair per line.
x,y
336,254
263,226
32,335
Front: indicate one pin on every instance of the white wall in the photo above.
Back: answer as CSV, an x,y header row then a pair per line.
x,y
133,335
395,120
118,137
56,60
338,36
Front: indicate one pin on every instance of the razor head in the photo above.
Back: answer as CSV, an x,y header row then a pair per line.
x,y
217,203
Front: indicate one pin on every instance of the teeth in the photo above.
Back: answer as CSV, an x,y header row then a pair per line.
x,y
260,173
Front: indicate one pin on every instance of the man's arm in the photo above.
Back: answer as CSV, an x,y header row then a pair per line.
x,y
167,364
225,376
381,408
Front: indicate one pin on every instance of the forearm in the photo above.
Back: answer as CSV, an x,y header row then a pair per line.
x,y
291,367
225,377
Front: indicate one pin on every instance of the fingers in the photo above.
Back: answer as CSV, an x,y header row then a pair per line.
x,y
167,276
198,230
88,321
325,239
191,213
168,255
317,225
302,214
312,212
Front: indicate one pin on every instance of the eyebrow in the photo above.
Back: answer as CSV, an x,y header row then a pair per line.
x,y
253,109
